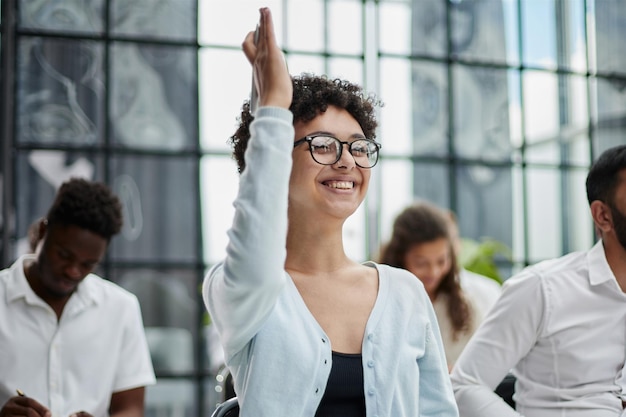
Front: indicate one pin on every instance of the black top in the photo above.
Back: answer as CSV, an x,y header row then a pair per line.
x,y
344,395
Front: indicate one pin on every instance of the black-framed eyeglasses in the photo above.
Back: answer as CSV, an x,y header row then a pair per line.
x,y
327,150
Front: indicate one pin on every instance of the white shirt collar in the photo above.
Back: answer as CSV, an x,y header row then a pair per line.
x,y
599,269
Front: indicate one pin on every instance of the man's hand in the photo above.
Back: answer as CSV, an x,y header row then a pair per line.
x,y
24,406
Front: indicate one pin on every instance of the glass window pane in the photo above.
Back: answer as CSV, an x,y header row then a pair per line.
x,y
60,91
153,99
557,118
394,27
477,30
225,79
347,69
578,230
574,118
63,16
554,34
429,108
214,354
306,26
211,395
481,113
511,28
171,397
429,34
169,308
160,208
219,184
539,33
170,19
515,109
610,30
354,235
478,187
345,26
226,22
573,51
396,191
431,181
168,299
299,63
541,108
518,198
610,105
548,152
544,213
396,116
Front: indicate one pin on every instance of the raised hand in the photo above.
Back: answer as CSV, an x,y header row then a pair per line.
x,y
272,78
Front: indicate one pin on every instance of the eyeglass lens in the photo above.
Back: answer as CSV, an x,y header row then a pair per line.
x,y
327,150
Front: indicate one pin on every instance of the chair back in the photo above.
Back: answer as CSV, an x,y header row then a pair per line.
x,y
229,408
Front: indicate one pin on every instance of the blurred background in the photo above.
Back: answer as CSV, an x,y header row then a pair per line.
x,y
493,108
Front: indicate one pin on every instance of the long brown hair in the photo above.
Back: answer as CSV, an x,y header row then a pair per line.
x,y
422,223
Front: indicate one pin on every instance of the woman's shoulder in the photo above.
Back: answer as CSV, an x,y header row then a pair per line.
x,y
400,278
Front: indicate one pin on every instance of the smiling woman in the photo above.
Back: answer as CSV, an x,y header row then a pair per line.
x,y
291,308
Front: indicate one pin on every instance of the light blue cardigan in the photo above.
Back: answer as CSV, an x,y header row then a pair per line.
x,y
278,354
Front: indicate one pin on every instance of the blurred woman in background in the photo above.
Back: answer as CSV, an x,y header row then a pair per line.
x,y
424,241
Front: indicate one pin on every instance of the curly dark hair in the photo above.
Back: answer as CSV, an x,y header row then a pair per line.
x,y
422,223
88,205
312,94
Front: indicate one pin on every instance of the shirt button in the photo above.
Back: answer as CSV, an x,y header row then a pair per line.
x,y
370,363
370,392
325,361
317,390
323,340
370,337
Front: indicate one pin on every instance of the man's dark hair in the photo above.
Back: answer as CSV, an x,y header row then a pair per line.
x,y
603,177
88,205
312,94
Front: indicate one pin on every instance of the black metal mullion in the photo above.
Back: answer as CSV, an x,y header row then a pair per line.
x,y
8,89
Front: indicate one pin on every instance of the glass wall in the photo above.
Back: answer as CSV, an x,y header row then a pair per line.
x,y
492,108
108,90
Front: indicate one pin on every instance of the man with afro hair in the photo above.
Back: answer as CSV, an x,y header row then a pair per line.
x,y
71,342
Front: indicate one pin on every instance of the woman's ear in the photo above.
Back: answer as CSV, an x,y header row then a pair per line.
x,y
602,216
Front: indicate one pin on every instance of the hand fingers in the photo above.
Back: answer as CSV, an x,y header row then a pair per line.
x,y
26,406
249,48
271,76
267,26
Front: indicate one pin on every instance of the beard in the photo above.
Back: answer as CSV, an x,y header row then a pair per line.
x,y
619,225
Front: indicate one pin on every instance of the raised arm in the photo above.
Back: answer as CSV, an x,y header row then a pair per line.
x,y
241,291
